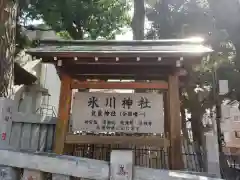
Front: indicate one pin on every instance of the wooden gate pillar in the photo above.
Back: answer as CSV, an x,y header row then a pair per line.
x,y
63,113
174,124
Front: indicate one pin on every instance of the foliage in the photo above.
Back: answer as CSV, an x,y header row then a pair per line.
x,y
181,18
8,16
226,15
64,34
81,18
186,18
138,20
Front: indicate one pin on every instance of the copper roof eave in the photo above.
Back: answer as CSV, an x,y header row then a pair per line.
x,y
122,42
149,48
118,54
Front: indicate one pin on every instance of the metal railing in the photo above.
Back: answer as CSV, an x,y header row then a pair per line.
x,y
149,157
230,167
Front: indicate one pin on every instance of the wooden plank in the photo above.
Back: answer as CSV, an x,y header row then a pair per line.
x,y
175,153
110,68
119,85
166,114
86,168
63,113
156,141
105,77
65,165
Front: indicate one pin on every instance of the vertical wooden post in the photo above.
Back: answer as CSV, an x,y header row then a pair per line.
x,y
166,123
63,113
166,114
174,124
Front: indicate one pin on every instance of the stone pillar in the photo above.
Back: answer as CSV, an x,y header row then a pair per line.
x,y
212,154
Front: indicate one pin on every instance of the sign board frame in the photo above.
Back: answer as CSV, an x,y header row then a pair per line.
x,y
118,112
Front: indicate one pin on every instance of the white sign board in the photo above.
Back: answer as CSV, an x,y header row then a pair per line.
x,y
223,87
118,112
121,165
7,107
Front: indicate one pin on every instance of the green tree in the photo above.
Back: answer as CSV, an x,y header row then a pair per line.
x,y
180,18
138,20
8,17
226,15
81,18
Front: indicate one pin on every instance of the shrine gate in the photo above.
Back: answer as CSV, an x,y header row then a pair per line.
x,y
147,119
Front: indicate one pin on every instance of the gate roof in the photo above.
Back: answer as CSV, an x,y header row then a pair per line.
x,y
147,59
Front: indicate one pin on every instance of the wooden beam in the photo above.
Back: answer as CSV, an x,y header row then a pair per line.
x,y
174,124
112,69
120,76
63,113
155,141
119,85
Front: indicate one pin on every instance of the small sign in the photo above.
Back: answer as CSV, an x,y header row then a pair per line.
x,y
32,175
223,87
7,107
118,112
121,165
